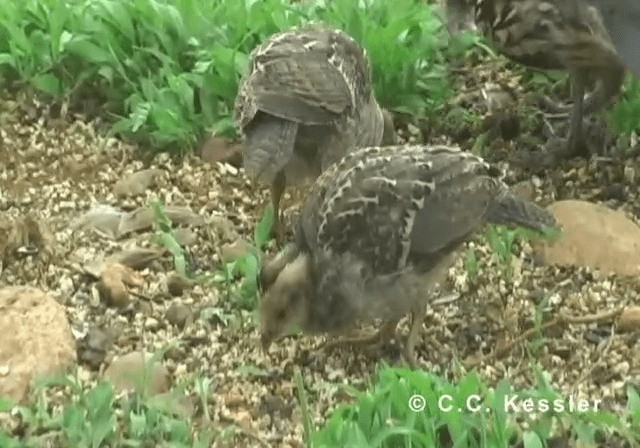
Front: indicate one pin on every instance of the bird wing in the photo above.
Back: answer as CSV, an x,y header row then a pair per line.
x,y
383,204
309,76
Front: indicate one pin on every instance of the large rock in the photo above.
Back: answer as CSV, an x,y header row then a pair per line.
x,y
35,340
594,236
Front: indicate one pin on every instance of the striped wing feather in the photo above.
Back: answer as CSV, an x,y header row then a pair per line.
x,y
384,205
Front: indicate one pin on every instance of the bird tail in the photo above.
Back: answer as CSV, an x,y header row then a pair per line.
x,y
510,209
268,147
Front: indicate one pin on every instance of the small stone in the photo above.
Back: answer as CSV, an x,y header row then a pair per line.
x,y
234,400
630,174
536,181
243,418
137,183
95,346
185,236
179,315
114,280
413,129
217,149
233,251
629,320
176,284
151,324
136,371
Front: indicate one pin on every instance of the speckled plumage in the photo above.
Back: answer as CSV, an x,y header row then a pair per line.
x,y
305,101
553,35
378,231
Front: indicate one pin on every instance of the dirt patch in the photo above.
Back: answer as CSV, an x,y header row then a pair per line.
x,y
58,172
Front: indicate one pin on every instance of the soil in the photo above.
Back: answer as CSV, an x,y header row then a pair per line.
x,y
57,167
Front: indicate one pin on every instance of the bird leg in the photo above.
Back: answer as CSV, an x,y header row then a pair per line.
x,y
384,334
574,144
277,189
417,319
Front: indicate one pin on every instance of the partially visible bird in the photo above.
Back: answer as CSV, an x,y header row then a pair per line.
x,y
553,35
622,20
306,100
376,234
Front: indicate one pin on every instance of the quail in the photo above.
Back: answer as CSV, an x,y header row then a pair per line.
x,y
622,20
377,233
553,35
305,101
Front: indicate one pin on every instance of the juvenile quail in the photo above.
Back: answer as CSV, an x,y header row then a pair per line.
x,y
553,35
377,232
306,100
622,20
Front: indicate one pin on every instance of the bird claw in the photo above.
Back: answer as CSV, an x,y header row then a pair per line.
x,y
555,151
372,340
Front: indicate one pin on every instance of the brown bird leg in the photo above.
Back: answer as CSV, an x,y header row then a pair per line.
x,y
385,333
417,319
277,189
574,144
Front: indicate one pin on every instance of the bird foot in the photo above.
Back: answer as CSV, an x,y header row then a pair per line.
x,y
373,340
555,151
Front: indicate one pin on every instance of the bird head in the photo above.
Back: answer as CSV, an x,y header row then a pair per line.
x,y
286,303
389,129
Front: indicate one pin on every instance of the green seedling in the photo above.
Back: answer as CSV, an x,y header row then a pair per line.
x,y
165,237
247,267
407,408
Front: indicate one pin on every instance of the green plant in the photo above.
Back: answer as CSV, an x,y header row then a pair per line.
x,y
95,416
165,72
471,263
625,115
165,237
246,268
503,242
304,407
407,43
418,409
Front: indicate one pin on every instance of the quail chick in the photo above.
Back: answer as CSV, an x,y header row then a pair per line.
x,y
553,35
377,232
305,101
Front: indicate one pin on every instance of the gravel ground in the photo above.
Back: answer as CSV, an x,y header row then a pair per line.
x,y
56,169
